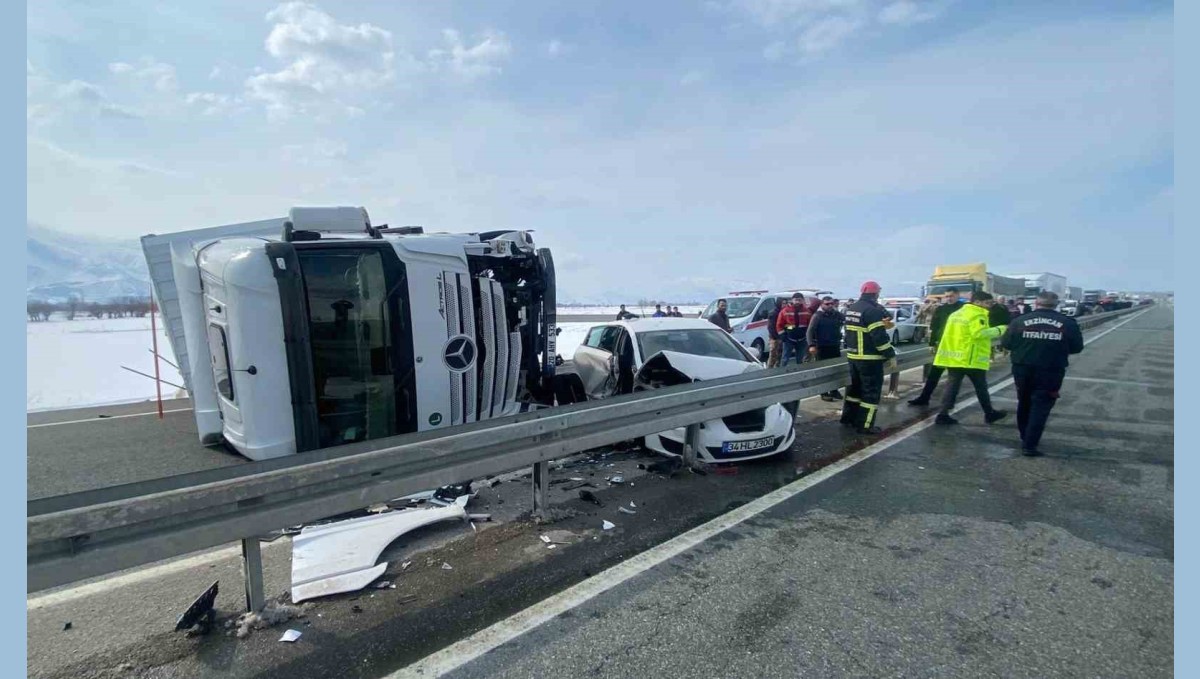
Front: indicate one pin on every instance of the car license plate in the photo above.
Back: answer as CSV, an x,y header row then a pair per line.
x,y
747,446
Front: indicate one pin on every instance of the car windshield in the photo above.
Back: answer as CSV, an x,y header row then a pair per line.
x,y
738,307
715,343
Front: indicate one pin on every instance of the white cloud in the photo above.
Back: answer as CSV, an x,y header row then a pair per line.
x,y
482,58
211,103
557,48
692,78
161,76
811,28
826,34
907,12
86,97
324,61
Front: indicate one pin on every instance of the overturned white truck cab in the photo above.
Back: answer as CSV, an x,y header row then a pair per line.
x,y
321,329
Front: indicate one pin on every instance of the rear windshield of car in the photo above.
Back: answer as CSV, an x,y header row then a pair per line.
x,y
715,343
737,307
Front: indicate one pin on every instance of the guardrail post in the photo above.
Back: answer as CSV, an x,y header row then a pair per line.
x,y
541,486
691,443
252,569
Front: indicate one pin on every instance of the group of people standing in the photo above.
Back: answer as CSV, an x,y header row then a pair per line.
x,y
801,330
1039,341
670,312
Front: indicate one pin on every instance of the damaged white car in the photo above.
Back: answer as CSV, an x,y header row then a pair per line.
x,y
626,356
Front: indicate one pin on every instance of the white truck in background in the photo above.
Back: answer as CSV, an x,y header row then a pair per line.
x,y
320,329
1036,283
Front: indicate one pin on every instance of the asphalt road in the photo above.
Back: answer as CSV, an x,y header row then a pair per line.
x,y
121,625
948,554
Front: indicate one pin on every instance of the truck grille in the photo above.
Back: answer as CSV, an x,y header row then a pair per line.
x,y
501,359
749,421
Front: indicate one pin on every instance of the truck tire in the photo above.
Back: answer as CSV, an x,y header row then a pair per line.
x,y
568,389
759,349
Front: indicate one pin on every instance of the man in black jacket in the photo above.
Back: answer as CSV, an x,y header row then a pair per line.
x,y
1040,342
951,304
870,356
720,317
624,315
825,337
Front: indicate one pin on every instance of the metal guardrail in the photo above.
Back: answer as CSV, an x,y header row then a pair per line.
x,y
94,533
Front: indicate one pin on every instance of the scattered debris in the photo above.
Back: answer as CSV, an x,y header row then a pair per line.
x,y
576,478
574,485
551,546
553,514
632,505
668,466
608,525
447,567
616,479
274,613
407,599
378,508
404,566
356,608
484,518
545,538
626,510
341,556
589,496
385,584
919,467
67,626
290,636
200,612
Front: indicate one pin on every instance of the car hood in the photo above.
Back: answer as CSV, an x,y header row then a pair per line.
x,y
667,368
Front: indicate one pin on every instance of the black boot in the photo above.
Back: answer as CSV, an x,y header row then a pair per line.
x,y
995,416
945,419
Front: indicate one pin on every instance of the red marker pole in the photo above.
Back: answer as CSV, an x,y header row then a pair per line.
x,y
154,343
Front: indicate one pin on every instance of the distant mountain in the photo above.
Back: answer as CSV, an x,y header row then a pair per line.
x,y
95,269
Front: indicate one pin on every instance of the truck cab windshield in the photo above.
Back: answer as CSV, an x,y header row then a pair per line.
x,y
360,341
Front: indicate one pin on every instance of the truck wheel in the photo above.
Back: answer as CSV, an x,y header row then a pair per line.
x,y
759,349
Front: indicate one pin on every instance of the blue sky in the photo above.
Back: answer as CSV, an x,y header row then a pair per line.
x,y
668,149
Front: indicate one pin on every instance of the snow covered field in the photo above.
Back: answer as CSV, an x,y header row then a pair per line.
x,y
78,363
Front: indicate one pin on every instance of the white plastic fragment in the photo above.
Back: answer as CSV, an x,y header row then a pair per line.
x,y
552,546
341,556
447,567
608,525
626,510
631,504
290,636
404,566
545,538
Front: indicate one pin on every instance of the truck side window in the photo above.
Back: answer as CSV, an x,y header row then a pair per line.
x,y
218,347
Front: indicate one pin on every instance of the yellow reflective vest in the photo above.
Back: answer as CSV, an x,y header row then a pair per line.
x,y
966,341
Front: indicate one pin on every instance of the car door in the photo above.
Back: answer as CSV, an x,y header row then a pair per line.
x,y
595,362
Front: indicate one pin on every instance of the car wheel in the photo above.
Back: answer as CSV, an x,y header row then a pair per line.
x,y
759,349
895,338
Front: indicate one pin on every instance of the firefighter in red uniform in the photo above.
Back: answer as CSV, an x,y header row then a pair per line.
x,y
871,356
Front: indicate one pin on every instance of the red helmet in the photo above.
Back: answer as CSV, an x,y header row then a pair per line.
x,y
870,288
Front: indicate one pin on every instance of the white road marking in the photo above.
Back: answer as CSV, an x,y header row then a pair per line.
x,y
63,596
462,652
104,419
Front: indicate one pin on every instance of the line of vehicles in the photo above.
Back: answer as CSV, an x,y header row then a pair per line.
x,y
320,329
